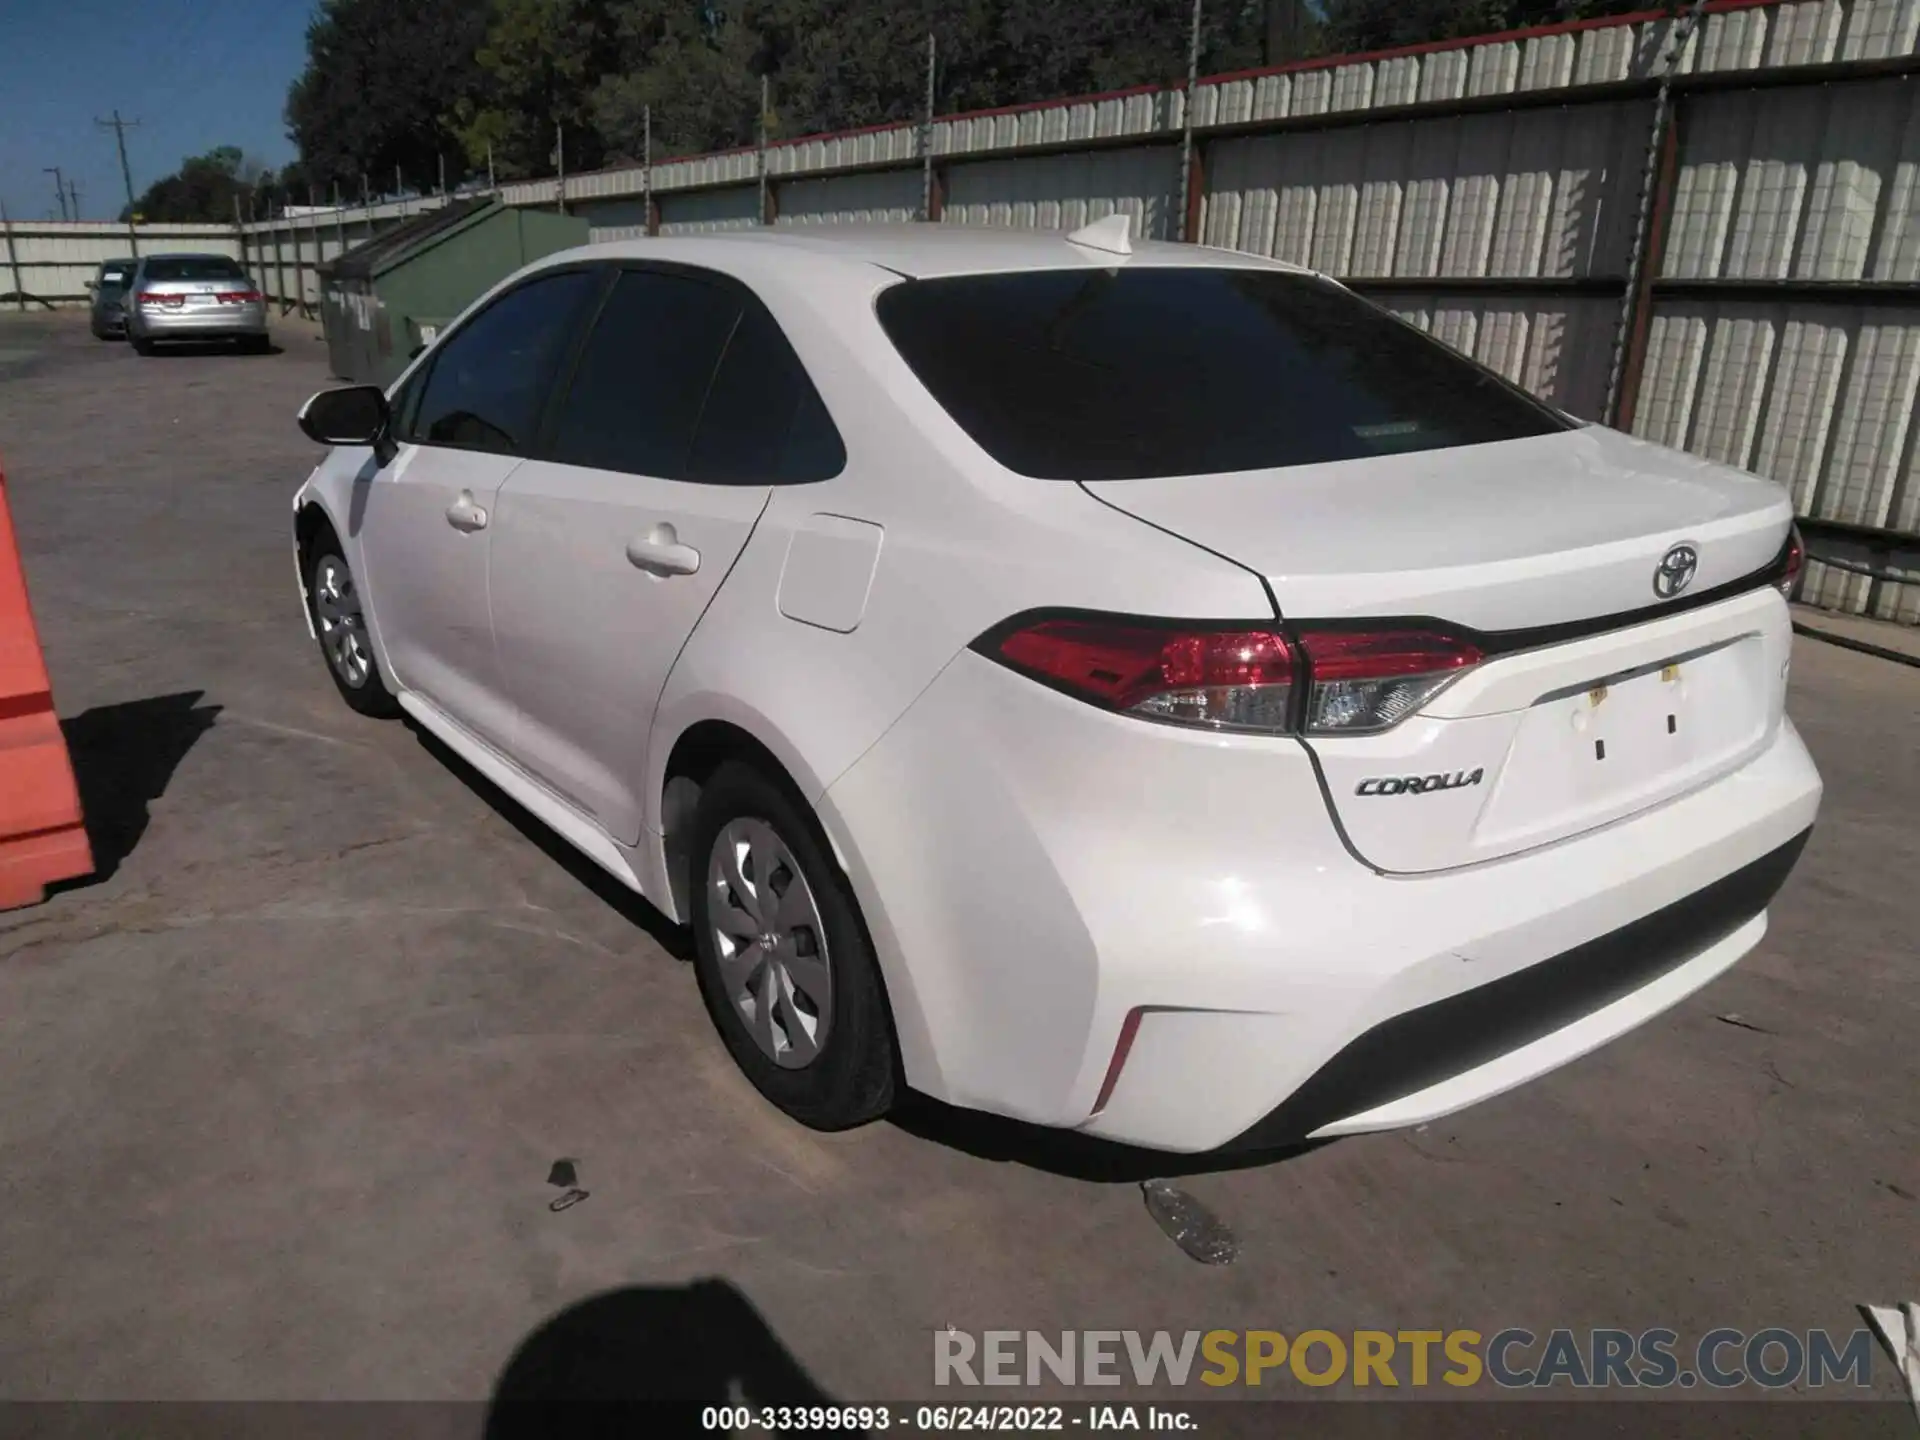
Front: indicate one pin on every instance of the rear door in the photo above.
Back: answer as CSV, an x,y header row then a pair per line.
x,y
662,453
424,522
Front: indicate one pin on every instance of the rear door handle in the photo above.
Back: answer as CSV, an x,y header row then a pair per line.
x,y
463,514
659,552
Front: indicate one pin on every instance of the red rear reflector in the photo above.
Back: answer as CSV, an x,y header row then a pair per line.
x,y
1796,562
1129,1028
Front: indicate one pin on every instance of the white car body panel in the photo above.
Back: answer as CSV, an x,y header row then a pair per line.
x,y
585,635
1446,533
1032,869
435,617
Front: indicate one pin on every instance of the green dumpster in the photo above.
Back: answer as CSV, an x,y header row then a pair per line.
x,y
381,301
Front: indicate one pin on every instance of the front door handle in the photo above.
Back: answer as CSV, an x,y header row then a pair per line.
x,y
463,514
659,552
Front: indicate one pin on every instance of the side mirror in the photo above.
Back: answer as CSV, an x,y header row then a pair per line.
x,y
355,415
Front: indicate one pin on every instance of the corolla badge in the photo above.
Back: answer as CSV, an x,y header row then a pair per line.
x,y
1418,784
1676,571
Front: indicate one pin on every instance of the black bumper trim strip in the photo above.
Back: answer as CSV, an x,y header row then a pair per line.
x,y
1422,1047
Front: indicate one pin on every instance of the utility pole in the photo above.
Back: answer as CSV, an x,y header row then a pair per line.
x,y
646,170
13,259
926,138
73,189
1186,117
492,186
560,164
59,187
443,176
119,128
761,152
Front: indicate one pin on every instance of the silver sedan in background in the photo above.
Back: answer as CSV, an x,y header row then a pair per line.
x,y
194,298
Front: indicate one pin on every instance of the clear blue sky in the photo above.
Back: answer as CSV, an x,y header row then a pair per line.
x,y
195,73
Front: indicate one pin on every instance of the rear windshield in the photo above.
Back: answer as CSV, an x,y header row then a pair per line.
x,y
1125,374
194,267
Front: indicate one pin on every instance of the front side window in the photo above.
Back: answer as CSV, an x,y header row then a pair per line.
x,y
488,381
1097,374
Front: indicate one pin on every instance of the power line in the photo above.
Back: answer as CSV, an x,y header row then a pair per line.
x,y
119,128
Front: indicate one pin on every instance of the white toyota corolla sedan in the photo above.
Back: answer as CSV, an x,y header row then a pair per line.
x,y
1140,689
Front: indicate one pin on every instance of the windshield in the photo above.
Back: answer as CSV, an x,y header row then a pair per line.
x,y
1125,374
194,267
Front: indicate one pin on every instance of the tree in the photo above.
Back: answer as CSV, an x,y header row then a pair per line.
x,y
1352,26
383,81
204,188
696,68
539,66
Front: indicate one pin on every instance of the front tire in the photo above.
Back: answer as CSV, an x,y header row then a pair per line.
x,y
339,619
783,959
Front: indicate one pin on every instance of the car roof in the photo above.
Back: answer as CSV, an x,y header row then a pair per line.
x,y
920,251
188,255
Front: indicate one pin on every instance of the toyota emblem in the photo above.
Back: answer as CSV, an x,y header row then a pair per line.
x,y
1676,571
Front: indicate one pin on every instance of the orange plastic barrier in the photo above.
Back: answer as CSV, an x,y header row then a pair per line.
x,y
42,838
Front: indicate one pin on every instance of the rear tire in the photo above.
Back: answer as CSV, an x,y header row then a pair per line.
x,y
141,346
339,620
806,1020
255,345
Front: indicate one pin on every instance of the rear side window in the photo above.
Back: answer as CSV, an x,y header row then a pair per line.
x,y
763,422
489,380
1094,374
193,267
643,375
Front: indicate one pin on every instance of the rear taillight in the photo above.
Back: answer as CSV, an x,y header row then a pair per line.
x,y
154,297
1371,679
1796,562
1334,682
238,297
1223,679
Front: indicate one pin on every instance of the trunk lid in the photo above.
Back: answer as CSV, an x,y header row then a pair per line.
x,y
1551,734
196,286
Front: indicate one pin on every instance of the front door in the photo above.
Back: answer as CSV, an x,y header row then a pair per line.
x,y
425,520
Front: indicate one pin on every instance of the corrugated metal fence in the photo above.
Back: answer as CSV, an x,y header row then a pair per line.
x,y
1488,190
48,262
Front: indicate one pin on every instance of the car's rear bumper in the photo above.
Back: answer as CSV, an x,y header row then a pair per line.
x,y
234,322
1042,879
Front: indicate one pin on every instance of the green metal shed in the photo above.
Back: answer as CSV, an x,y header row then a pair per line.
x,y
384,299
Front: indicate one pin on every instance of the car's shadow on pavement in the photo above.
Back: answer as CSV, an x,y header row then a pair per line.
x,y
123,758
209,349
674,939
1066,1152
591,1368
